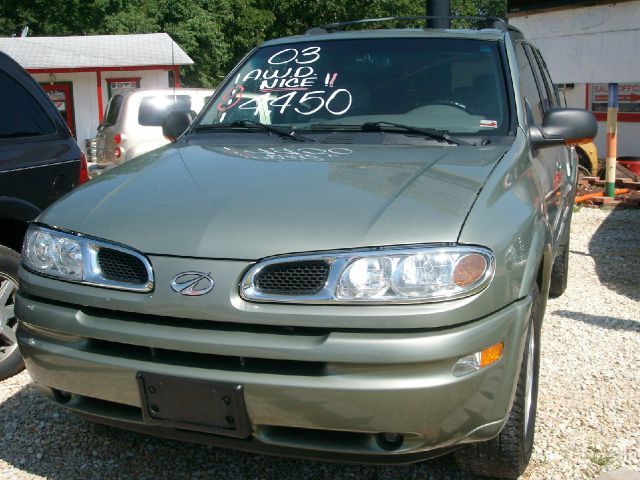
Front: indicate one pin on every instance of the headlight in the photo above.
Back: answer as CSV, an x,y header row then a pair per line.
x,y
77,258
394,275
53,254
365,278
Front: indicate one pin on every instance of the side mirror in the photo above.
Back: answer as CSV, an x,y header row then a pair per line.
x,y
564,126
175,124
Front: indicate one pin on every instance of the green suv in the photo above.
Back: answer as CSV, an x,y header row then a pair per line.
x,y
345,256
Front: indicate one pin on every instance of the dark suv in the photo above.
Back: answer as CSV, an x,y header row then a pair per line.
x,y
39,162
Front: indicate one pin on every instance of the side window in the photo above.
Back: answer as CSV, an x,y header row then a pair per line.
x,y
544,94
528,87
553,92
21,115
113,110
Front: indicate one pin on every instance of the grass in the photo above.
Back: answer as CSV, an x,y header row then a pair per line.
x,y
601,458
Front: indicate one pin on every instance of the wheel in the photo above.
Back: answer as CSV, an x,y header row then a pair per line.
x,y
10,358
508,454
560,270
584,170
584,162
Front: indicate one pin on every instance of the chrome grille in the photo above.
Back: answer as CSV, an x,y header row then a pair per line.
x,y
121,267
293,278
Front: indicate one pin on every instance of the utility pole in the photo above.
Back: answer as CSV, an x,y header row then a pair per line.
x,y
438,8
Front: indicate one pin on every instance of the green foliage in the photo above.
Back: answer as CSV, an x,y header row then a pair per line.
x,y
491,8
296,16
488,8
216,34
601,459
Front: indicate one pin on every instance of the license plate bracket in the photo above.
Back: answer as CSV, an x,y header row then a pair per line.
x,y
193,404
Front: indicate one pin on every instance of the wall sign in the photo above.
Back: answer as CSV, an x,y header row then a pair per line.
x,y
628,101
117,85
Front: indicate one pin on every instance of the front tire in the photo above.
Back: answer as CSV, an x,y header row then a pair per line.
x,y
508,454
10,359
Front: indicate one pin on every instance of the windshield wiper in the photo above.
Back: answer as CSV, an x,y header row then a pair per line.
x,y
282,131
333,126
440,135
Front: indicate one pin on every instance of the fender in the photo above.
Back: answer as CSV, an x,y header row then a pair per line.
x,y
514,192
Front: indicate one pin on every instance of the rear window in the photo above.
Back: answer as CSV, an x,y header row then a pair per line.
x,y
113,110
20,114
154,109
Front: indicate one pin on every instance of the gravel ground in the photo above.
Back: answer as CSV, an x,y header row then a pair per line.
x,y
588,417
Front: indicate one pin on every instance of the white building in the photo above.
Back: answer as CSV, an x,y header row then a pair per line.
x,y
80,74
586,46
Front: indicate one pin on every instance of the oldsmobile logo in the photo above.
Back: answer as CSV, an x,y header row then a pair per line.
x,y
192,284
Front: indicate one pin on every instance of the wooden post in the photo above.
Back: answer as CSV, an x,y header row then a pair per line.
x,y
99,91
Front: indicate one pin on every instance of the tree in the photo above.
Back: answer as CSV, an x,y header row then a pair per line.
x,y
487,8
216,34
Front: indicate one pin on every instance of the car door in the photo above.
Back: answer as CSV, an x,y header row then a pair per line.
x,y
568,156
550,163
39,160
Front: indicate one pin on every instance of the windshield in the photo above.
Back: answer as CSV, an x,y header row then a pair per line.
x,y
456,85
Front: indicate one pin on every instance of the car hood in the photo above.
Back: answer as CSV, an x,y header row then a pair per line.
x,y
248,202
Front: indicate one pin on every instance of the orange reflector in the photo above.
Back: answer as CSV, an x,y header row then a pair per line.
x,y
469,269
491,355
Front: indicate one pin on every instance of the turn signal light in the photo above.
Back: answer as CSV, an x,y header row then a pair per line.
x,y
117,152
479,360
491,355
469,269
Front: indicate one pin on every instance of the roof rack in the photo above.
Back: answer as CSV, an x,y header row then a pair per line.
x,y
497,22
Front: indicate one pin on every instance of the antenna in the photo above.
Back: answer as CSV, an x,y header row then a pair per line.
x,y
173,65
25,31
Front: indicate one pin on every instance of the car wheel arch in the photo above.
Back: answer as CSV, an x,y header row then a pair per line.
x,y
17,209
540,261
543,277
12,233
15,215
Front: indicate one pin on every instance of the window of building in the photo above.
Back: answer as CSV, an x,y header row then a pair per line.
x,y
61,94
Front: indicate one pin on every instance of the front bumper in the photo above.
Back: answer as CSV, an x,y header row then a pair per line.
x,y
308,392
